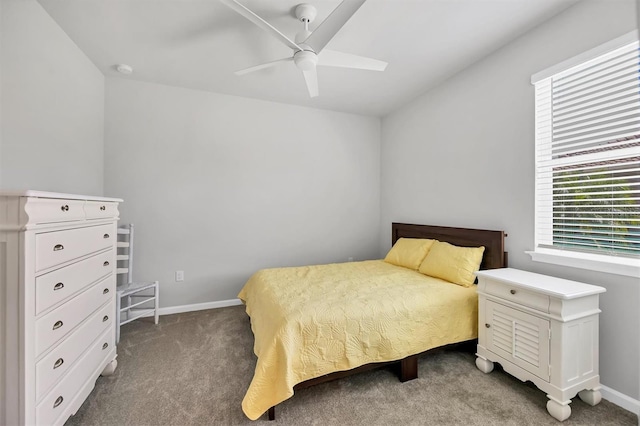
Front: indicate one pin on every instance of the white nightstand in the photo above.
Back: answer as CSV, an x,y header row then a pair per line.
x,y
543,329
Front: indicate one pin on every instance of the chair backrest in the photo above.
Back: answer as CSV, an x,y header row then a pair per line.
x,y
125,253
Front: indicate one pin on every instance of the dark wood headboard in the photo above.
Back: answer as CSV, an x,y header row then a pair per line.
x,y
493,241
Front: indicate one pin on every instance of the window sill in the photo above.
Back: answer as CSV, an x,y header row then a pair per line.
x,y
594,262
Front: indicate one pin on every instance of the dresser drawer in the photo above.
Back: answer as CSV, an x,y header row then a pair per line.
x,y
52,367
58,323
51,210
517,295
54,248
99,209
55,403
62,283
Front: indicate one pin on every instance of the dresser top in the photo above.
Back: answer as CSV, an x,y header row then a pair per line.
x,y
552,286
44,194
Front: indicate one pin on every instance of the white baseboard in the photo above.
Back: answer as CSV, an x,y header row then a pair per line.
x,y
620,399
169,310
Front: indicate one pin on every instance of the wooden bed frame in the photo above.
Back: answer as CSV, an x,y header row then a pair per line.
x,y
494,257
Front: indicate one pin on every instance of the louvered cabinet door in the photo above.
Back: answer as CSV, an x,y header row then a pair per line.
x,y
518,337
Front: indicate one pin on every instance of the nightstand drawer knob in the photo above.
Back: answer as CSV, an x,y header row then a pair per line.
x,y
64,208
487,325
512,292
105,346
58,286
58,363
57,325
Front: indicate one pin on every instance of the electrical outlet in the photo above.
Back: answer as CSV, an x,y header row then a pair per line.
x,y
179,276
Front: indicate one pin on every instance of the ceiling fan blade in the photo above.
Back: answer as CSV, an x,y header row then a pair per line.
x,y
331,58
330,26
311,78
242,10
262,66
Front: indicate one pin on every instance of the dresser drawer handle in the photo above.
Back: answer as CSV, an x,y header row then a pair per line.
x,y
58,363
58,401
106,263
488,325
64,208
105,318
512,292
57,325
105,346
103,208
105,291
58,286
58,247
105,236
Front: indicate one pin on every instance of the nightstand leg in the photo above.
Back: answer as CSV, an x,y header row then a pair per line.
x,y
590,396
484,365
558,411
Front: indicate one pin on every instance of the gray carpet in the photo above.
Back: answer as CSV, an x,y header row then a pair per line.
x,y
194,368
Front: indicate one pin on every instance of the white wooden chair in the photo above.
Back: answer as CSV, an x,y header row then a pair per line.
x,y
135,299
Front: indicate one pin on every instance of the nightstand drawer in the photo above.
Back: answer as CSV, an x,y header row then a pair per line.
x,y
63,394
58,323
52,367
55,248
517,295
62,283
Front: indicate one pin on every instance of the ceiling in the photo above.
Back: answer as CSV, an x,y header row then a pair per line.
x,y
198,44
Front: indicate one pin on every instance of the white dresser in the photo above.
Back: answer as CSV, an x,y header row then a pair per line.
x,y
543,329
57,302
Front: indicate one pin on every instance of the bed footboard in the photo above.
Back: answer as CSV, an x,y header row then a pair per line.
x,y
406,368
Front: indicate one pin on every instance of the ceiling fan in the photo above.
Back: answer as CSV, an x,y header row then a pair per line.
x,y
309,46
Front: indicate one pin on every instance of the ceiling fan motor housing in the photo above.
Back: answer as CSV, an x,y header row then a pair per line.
x,y
305,60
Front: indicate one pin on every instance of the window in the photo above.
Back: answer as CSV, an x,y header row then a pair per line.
x,y
588,160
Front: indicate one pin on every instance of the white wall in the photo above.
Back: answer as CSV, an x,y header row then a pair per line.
x,y
2,245
52,106
220,186
51,112
463,155
1,49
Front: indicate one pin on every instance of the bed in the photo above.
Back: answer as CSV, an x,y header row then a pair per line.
x,y
322,322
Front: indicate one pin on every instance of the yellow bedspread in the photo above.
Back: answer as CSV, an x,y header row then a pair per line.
x,y
313,320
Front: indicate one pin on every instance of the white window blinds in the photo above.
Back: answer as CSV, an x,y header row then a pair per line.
x,y
588,156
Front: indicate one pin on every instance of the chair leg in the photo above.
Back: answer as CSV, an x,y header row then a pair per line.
x,y
156,289
117,319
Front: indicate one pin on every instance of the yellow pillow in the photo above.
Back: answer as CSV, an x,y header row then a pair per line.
x,y
409,252
452,263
